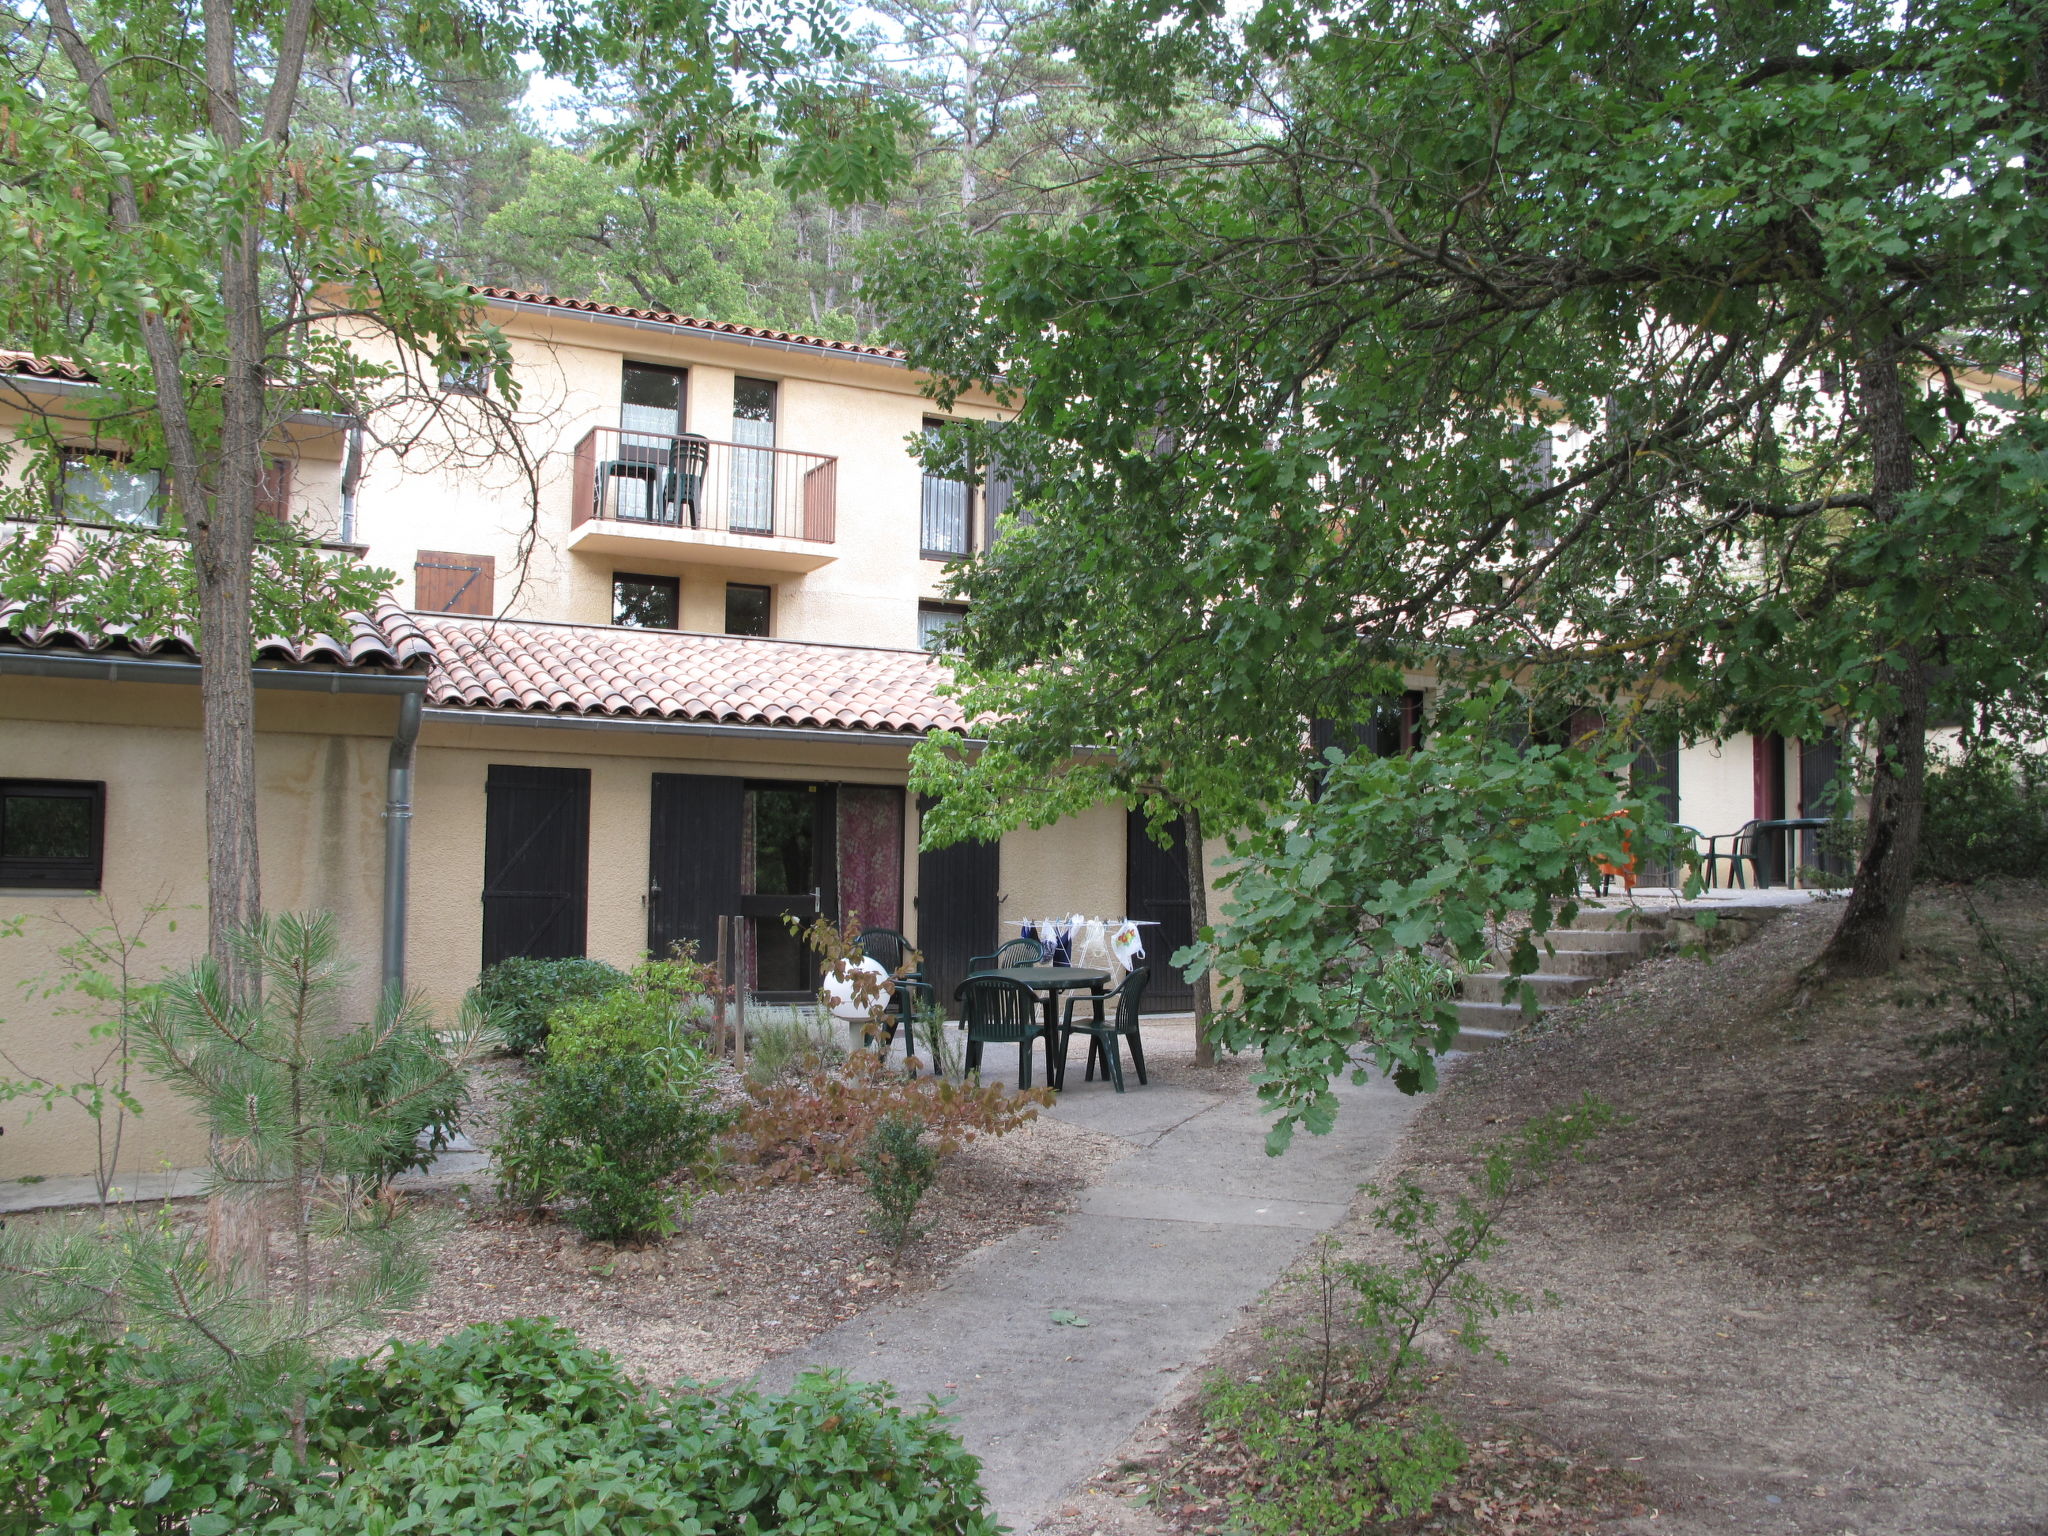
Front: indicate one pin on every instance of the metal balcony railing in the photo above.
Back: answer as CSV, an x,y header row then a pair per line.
x,y
639,478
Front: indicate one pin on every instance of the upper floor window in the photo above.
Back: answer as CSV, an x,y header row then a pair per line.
x,y
948,512
753,471
746,609
935,623
102,487
467,375
651,401
50,833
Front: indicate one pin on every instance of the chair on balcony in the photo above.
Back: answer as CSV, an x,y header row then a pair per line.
x,y
671,469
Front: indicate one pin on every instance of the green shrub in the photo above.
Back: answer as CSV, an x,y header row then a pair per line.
x,y
900,1167
520,995
1327,1475
608,1132
96,1443
510,1429
1987,815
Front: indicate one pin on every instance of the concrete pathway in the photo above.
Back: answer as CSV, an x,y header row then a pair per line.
x,y
1159,1259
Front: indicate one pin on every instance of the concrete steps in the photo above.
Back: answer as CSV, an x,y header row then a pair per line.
x,y
1600,945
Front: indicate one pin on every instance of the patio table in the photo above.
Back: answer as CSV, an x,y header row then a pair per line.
x,y
1052,980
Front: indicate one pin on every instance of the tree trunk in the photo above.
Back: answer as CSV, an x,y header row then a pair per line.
x,y
1198,909
1872,932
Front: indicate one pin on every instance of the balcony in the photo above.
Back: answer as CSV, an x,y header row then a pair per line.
x,y
690,498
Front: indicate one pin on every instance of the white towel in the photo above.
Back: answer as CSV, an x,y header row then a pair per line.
x,y
1091,945
1125,944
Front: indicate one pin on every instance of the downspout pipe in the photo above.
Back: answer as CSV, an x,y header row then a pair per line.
x,y
405,743
410,690
351,476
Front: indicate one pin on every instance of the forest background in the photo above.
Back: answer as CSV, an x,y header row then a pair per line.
x,y
502,178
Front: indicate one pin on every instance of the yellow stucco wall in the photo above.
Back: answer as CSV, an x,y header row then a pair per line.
x,y
320,766
439,496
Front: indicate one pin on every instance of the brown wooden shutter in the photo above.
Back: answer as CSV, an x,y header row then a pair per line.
x,y
274,490
451,583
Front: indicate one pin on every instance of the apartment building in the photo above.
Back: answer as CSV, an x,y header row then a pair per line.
x,y
657,656
661,660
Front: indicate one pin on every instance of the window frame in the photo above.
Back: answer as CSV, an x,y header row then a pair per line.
x,y
930,610
768,609
672,584
968,501
70,456
470,376
44,874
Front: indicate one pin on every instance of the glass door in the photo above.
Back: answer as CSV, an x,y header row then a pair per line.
x,y
753,473
788,870
651,401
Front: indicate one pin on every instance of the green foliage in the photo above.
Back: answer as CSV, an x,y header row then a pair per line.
x,y
1278,426
97,1443
623,1106
581,228
2004,1045
1335,896
1335,1437
512,1429
1327,1475
900,1168
309,1114
520,995
1986,816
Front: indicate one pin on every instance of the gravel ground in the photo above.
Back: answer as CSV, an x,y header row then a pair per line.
x,y
757,1270
1788,1299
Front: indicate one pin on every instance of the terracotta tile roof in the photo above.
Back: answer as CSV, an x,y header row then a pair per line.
x,y
381,640
581,669
42,367
685,322
574,669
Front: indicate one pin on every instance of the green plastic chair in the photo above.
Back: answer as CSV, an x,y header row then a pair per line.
x,y
1000,1011
1012,952
1103,1033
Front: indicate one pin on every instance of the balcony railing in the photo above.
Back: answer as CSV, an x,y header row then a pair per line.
x,y
641,479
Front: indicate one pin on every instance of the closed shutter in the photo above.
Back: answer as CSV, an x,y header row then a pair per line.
x,y
274,490
693,859
449,583
959,897
1156,891
536,862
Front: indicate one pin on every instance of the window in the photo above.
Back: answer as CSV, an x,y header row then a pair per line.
x,y
753,471
467,375
746,610
651,401
948,512
101,487
646,602
446,582
50,833
934,620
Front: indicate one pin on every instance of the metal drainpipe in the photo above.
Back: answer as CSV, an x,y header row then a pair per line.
x,y
398,837
351,475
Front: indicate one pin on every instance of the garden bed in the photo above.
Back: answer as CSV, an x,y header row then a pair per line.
x,y
756,1271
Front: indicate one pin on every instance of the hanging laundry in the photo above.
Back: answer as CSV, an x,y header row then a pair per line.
x,y
1125,944
1091,945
